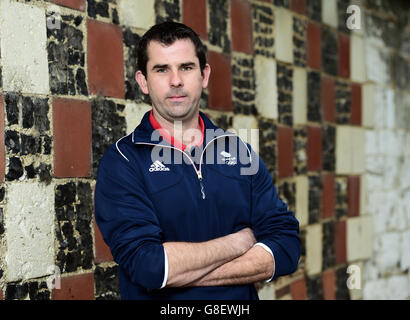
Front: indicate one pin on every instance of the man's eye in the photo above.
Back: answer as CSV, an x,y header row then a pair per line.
x,y
161,70
186,68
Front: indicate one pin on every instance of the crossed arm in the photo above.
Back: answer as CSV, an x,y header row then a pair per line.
x,y
228,260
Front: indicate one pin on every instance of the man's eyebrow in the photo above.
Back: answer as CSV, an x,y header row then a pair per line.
x,y
187,64
160,66
164,66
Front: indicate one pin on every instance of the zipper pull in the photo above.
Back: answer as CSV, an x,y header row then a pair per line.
x,y
201,184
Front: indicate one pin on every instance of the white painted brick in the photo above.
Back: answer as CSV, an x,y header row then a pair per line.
x,y
299,96
358,150
376,63
407,144
392,174
379,110
344,157
246,127
357,59
284,35
302,200
402,102
390,109
397,220
397,287
378,207
350,150
390,143
372,142
329,12
138,14
375,165
370,271
133,115
368,104
375,290
388,208
23,48
359,238
266,93
405,251
374,182
406,205
313,249
405,173
388,252
392,208
29,224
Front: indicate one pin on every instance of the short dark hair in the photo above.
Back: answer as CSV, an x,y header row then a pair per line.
x,y
167,33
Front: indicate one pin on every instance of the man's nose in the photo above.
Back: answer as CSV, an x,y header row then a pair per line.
x,y
176,79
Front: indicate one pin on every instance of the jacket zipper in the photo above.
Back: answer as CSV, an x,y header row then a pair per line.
x,y
198,171
201,184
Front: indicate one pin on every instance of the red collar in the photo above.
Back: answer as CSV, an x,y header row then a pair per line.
x,y
170,139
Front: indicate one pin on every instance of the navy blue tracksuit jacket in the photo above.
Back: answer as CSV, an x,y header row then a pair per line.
x,y
149,192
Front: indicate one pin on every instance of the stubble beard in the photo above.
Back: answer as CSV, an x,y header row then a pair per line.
x,y
179,111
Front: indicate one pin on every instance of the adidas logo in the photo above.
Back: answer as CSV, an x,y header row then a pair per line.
x,y
158,166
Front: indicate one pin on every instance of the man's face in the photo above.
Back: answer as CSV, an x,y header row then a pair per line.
x,y
174,81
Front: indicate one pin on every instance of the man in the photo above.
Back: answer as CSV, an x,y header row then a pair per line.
x,y
179,201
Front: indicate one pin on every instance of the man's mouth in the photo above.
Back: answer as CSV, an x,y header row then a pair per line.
x,y
177,98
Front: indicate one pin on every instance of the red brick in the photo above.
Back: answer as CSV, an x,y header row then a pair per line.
x,y
241,26
78,287
314,148
220,83
328,99
356,112
298,6
105,59
102,251
353,196
340,242
195,16
72,137
344,55
328,195
285,151
74,4
298,289
329,285
313,45
2,147
1,294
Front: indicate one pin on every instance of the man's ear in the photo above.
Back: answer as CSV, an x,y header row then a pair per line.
x,y
205,76
142,81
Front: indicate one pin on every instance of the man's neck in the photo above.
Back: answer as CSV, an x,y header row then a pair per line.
x,y
179,128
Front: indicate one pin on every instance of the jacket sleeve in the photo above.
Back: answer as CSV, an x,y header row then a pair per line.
x,y
126,219
273,224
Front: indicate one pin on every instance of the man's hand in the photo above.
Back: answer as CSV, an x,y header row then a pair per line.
x,y
189,261
255,265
